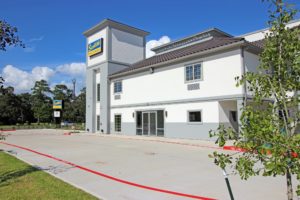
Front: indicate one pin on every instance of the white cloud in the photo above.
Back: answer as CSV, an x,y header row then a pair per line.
x,y
22,80
36,39
63,82
154,43
73,69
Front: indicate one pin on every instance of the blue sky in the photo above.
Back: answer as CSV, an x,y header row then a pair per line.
x,y
52,29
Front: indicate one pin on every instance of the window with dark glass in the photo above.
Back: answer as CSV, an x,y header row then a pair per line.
x,y
160,123
139,128
118,122
98,122
118,87
98,92
189,73
194,116
233,115
193,72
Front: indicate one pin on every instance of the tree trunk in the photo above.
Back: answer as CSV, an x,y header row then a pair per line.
x,y
289,184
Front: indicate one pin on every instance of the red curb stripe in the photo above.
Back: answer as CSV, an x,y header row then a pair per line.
x,y
267,151
111,177
6,130
233,148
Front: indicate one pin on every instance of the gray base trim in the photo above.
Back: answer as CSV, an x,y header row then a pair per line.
x,y
174,130
181,101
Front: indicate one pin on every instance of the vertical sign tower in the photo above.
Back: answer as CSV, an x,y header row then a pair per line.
x,y
111,46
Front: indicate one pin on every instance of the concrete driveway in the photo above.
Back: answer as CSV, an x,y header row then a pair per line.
x,y
180,166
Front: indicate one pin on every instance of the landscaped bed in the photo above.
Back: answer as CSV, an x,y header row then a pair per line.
x,y
19,180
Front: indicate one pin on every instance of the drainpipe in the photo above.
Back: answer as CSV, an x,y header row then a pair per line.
x,y
243,73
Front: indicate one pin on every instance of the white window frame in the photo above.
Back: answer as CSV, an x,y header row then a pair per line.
x,y
115,82
118,131
188,117
193,70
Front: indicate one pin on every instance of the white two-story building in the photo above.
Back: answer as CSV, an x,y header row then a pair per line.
x,y
185,90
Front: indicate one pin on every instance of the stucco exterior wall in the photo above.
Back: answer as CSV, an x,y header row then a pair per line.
x,y
251,63
126,47
259,35
175,119
168,83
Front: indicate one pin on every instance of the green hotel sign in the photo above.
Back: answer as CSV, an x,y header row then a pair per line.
x,y
95,47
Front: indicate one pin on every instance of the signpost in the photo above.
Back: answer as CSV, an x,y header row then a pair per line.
x,y
57,111
56,114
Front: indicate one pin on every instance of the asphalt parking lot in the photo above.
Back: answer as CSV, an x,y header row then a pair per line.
x,y
165,164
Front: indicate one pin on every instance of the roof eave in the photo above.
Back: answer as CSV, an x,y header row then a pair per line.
x,y
188,37
115,24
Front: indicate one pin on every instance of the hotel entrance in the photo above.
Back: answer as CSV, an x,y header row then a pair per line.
x,y
150,123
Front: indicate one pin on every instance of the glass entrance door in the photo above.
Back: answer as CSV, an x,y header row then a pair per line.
x,y
149,123
152,123
145,123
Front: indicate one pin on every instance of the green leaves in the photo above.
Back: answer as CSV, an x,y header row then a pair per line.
x,y
8,36
41,102
269,129
222,160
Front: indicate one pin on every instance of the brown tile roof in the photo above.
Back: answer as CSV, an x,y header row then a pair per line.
x,y
182,52
259,43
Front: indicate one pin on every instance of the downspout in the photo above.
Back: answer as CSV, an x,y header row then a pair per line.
x,y
243,70
243,73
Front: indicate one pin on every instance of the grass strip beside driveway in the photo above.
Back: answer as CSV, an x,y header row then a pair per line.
x,y
19,180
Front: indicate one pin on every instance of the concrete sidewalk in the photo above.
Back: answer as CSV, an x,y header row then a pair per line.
x,y
171,164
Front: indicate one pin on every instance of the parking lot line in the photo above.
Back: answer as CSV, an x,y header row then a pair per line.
x,y
111,177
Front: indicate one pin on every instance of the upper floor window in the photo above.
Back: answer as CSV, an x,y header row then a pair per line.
x,y
98,91
193,72
118,87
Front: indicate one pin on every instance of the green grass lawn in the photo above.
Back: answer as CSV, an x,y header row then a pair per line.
x,y
19,180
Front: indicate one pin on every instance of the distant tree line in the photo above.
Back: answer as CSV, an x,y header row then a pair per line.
x,y
36,106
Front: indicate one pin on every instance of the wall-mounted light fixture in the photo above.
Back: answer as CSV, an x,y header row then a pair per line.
x,y
166,113
133,115
151,70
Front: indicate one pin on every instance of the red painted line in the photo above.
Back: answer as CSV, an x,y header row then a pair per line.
x,y
6,130
233,148
111,177
266,151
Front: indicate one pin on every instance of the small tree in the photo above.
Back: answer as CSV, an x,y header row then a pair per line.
x,y
269,122
41,102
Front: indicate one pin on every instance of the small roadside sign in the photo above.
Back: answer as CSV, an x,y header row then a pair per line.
x,y
56,113
57,104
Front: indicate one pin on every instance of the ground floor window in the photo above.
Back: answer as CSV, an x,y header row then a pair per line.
x,y
98,123
233,116
139,127
150,123
118,122
195,116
